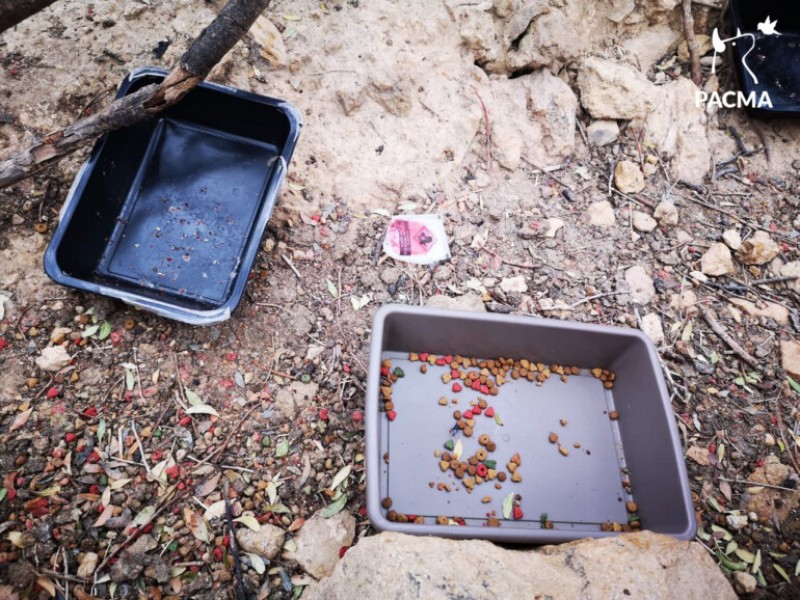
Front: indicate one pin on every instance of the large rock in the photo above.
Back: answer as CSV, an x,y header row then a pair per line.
x,y
266,542
601,214
612,90
677,127
53,358
642,288
792,269
790,357
628,177
717,260
290,400
641,565
319,542
758,250
602,132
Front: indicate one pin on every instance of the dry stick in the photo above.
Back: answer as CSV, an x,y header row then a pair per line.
x,y
237,561
546,173
691,42
759,484
726,337
16,11
488,132
206,51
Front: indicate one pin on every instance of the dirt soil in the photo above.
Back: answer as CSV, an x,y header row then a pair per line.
x,y
394,97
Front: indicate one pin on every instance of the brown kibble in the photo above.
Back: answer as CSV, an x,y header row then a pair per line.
x,y
386,458
129,324
483,439
420,520
563,422
386,502
516,477
511,467
498,486
457,415
597,372
459,472
491,446
40,228
442,520
443,401
444,465
613,415
564,451
423,368
401,518
468,431
437,453
446,378
501,476
469,482
386,391
605,526
453,464
548,524
632,506
392,515
413,356
494,392
575,371
516,459
32,382
576,444
482,403
636,526
388,405
472,470
481,454
486,499
473,460
609,385
462,424
446,456
553,438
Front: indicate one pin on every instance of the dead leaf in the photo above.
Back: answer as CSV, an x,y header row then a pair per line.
x,y
105,499
698,455
266,35
196,525
46,584
215,511
306,472
208,486
21,419
81,595
107,513
202,409
249,521
725,488
296,524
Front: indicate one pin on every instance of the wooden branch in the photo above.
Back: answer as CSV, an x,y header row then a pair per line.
x,y
691,42
727,338
206,51
16,11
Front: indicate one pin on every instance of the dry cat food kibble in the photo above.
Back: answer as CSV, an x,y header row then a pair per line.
x,y
464,464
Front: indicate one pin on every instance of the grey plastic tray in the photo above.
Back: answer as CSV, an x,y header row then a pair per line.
x,y
579,492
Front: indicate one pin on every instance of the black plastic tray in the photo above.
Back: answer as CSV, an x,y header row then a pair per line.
x,y
168,214
775,59
580,492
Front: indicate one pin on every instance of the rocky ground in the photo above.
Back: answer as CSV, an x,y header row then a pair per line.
x,y
577,180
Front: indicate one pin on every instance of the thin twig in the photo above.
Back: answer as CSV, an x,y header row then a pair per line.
x,y
236,428
545,172
488,132
691,42
141,448
288,261
726,337
237,560
759,484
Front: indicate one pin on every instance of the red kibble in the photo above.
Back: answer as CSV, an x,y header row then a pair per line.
x,y
230,356
441,361
93,457
362,512
343,550
423,356
20,481
94,489
482,470
345,367
218,554
4,343
323,414
484,389
448,358
181,486
457,387
391,415
148,528
412,517
712,447
156,455
58,453
172,472
185,421
358,416
385,371
226,540
476,410
116,338
518,513
468,414
70,437
455,374
53,392
212,430
489,412
476,385
90,412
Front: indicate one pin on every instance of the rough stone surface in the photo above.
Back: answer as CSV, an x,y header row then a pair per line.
x,y
653,328
53,358
466,302
644,222
266,542
772,310
758,250
717,260
686,302
677,127
642,565
319,541
666,213
602,132
290,400
612,90
745,583
763,504
87,565
732,238
514,284
642,289
792,269
628,177
790,357
601,214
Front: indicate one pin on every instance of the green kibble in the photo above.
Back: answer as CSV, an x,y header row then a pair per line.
x,y
173,546
490,464
633,518
399,372
543,520
158,433
305,378
103,480
450,444
266,441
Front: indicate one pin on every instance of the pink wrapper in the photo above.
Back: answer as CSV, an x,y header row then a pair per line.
x,y
419,239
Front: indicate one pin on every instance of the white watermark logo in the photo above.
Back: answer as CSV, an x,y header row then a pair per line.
x,y
738,99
